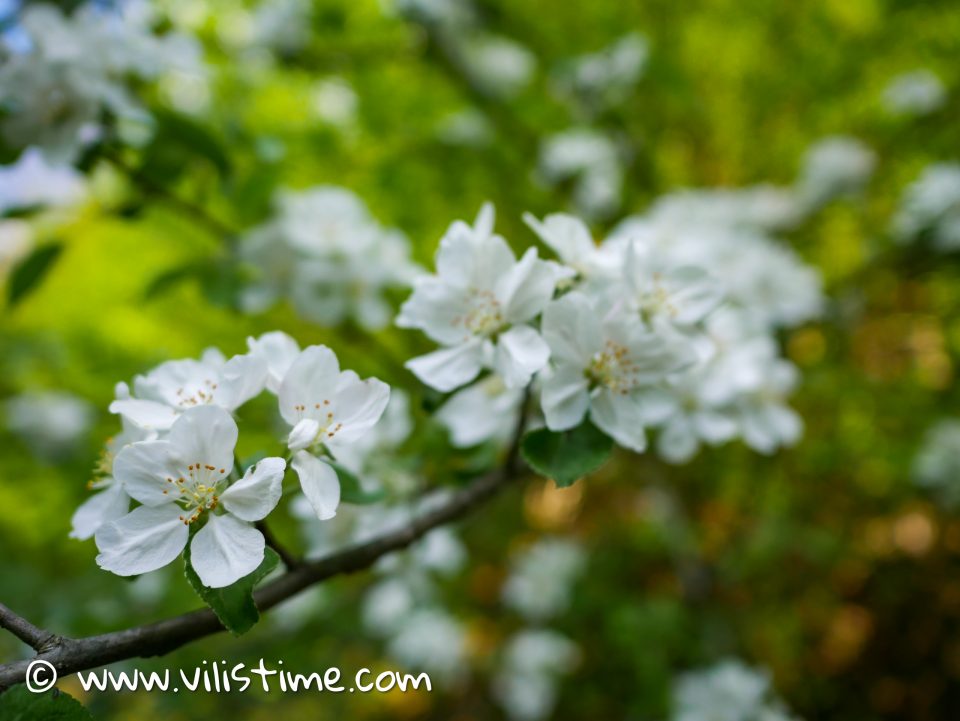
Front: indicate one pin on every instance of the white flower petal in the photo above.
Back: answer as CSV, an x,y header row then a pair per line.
x,y
258,492
311,379
101,508
358,405
279,351
144,540
677,442
205,434
225,550
242,377
143,468
448,368
620,417
303,435
527,288
521,352
319,482
564,397
146,414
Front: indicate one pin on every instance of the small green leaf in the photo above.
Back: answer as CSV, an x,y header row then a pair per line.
x,y
31,270
21,704
567,455
352,490
177,141
233,604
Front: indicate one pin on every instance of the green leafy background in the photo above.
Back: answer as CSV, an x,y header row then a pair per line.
x,y
823,563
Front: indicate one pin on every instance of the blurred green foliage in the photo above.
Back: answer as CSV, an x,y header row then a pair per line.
x,y
823,563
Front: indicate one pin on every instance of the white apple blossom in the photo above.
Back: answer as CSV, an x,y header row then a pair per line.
x,y
542,576
111,501
324,252
915,93
606,361
478,306
160,396
75,68
181,480
502,67
594,161
327,409
930,208
833,167
605,78
32,181
936,467
277,351
530,667
570,238
727,691
485,410
51,423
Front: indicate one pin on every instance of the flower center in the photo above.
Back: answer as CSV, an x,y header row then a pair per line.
x,y
318,412
484,316
657,299
197,395
197,490
612,368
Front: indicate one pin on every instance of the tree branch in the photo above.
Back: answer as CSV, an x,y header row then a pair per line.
x,y
34,637
71,655
151,187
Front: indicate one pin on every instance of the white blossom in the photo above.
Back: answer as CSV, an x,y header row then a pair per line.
x,y
529,671
833,167
478,307
727,691
485,410
160,396
915,93
594,161
51,423
75,68
327,409
324,252
32,181
936,467
540,584
181,480
931,207
500,66
604,78
606,361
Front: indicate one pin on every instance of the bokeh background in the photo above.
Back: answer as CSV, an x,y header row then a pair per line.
x,y
825,564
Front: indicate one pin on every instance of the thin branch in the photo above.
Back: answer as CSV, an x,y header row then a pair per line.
x,y
72,655
34,637
289,560
148,185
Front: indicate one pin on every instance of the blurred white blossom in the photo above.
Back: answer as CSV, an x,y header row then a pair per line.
x,y
51,423
930,208
605,78
936,467
727,691
32,181
324,252
529,671
542,577
593,161
919,92
833,167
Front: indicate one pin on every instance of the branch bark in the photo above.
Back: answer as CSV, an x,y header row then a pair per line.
x,y
69,655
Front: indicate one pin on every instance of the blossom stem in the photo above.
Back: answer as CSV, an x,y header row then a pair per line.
x,y
151,187
289,560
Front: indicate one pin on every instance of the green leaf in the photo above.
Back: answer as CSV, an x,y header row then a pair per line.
x,y
352,490
233,604
566,456
31,270
21,704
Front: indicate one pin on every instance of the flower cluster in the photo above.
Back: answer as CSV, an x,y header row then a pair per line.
x,y
664,325
328,255
176,456
915,93
55,91
727,691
